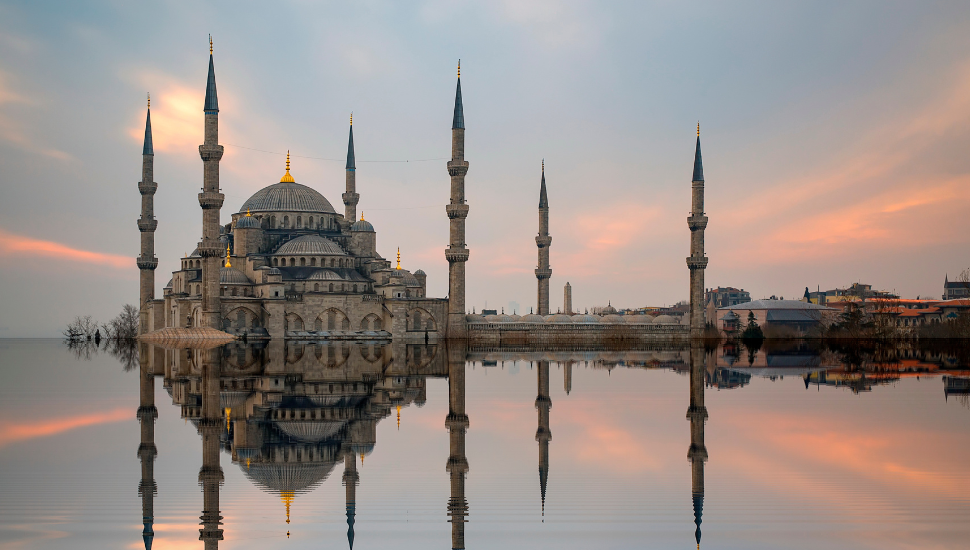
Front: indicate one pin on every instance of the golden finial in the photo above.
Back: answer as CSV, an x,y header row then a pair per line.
x,y
543,166
459,68
248,215
149,100
228,414
351,118
698,128
398,417
247,463
210,44
399,257
361,215
361,459
287,178
287,498
227,256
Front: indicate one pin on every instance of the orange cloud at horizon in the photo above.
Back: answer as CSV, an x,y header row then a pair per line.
x,y
11,245
12,432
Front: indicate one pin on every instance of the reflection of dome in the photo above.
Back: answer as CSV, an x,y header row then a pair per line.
x,y
310,244
362,225
287,197
293,477
532,318
324,275
311,431
559,318
247,222
231,275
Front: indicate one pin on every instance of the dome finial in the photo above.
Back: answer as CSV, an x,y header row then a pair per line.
x,y
227,256
149,100
361,215
287,178
398,417
399,257
248,214
210,44
459,68
698,128
352,118
287,498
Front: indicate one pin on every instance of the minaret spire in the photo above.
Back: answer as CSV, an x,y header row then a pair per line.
x,y
543,241
543,433
147,414
350,197
697,261
457,424
697,453
211,199
457,209
351,479
147,262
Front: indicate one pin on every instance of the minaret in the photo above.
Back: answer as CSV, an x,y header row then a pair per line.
x,y
697,454
147,262
457,253
210,199
697,260
210,426
147,413
457,424
567,299
567,377
543,240
543,434
351,479
351,198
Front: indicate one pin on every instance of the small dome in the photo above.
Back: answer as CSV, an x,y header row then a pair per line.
x,y
515,318
247,222
637,319
231,275
169,285
287,197
613,319
362,225
324,275
585,319
559,318
310,245
474,318
421,273
503,318
666,320
532,318
275,271
492,319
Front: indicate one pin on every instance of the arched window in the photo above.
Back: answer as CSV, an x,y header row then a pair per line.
x,y
286,222
313,262
222,291
272,222
299,222
198,264
331,287
292,262
276,261
234,291
331,262
355,288
302,262
316,287
309,222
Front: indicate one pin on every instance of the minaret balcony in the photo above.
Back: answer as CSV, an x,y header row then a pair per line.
x,y
147,188
211,152
457,167
697,262
209,200
456,211
350,198
150,263
697,222
456,255
543,273
147,225
211,249
543,241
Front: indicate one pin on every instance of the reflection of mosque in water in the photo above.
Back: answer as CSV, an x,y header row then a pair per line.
x,y
290,412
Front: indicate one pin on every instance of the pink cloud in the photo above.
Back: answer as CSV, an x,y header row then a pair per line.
x,y
12,432
17,245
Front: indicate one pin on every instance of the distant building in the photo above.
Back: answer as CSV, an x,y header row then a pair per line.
x,y
794,315
726,296
955,290
854,293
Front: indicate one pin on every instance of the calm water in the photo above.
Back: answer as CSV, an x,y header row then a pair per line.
x,y
786,449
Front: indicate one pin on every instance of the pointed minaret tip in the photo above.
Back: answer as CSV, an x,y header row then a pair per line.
x,y
351,160
458,122
211,105
148,148
543,196
698,163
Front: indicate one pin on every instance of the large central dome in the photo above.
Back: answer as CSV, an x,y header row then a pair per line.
x,y
288,197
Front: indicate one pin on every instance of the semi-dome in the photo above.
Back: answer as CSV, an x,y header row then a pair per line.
x,y
231,275
324,275
310,245
288,197
362,225
247,222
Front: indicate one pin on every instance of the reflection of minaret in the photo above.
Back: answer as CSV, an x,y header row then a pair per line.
x,y
543,240
457,253
351,479
697,261
147,413
147,262
567,377
697,454
543,434
457,423
210,199
210,426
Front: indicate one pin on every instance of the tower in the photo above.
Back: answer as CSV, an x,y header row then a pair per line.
x,y
147,413
350,479
147,262
697,261
210,199
543,240
543,433
351,198
457,253
457,424
210,427
567,299
697,453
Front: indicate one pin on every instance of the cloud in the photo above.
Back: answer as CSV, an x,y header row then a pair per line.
x,y
17,245
177,117
12,432
14,132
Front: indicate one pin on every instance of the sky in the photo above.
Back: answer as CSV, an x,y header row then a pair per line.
x,y
833,136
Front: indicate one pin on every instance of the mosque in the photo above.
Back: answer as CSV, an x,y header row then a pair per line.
x,y
289,266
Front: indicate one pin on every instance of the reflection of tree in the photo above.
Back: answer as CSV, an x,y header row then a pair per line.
x,y
125,351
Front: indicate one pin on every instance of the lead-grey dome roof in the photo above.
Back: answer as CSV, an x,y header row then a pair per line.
x,y
324,275
231,275
247,222
362,225
310,245
287,197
